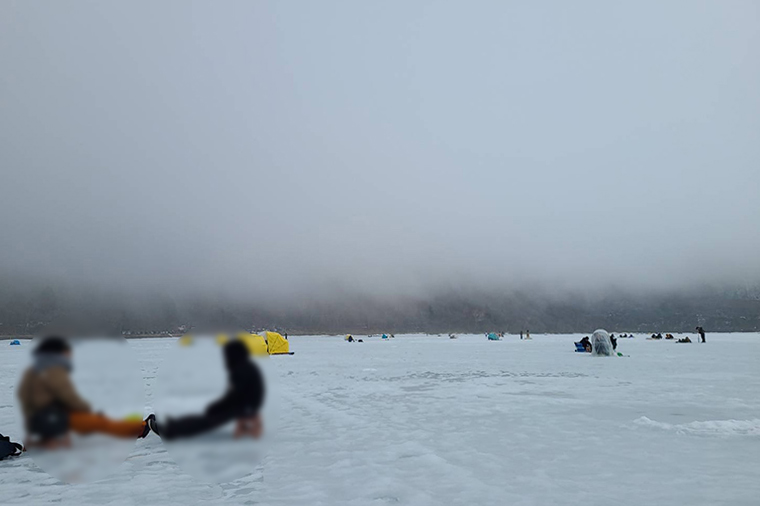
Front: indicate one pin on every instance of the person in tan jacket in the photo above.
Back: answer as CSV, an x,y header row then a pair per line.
x,y
51,405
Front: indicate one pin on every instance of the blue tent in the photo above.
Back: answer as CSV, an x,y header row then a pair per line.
x,y
493,337
15,342
580,348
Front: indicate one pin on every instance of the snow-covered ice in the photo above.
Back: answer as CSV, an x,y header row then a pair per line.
x,y
426,420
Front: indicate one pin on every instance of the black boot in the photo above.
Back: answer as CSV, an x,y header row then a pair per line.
x,y
150,425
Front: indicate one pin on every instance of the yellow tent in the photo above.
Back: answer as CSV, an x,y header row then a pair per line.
x,y
255,343
222,339
186,340
278,345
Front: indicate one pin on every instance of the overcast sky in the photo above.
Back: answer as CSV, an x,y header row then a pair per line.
x,y
385,146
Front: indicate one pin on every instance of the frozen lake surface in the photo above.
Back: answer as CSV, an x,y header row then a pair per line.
x,y
425,420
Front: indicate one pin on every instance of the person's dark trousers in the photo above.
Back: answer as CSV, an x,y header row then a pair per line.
x,y
192,425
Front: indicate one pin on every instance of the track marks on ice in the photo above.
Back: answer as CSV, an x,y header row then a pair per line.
x,y
719,428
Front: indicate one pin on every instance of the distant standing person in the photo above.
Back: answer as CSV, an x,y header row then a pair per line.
x,y
521,334
701,333
527,334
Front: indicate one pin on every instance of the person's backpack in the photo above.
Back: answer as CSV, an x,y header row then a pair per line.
x,y
8,448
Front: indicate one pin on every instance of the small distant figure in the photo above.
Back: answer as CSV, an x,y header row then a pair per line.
x,y
669,336
614,342
521,335
350,338
586,342
527,334
701,333
684,340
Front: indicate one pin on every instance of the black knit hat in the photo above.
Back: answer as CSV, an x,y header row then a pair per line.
x,y
54,345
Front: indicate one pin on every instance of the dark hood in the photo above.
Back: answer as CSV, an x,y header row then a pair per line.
x,y
235,355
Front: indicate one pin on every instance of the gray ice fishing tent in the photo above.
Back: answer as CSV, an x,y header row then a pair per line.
x,y
601,345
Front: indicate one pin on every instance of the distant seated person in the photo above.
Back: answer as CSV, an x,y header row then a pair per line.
x,y
586,342
669,336
52,407
241,403
684,340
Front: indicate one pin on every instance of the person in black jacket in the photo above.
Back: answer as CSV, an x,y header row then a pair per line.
x,y
242,401
701,333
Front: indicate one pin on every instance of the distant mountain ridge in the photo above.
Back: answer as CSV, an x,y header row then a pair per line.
x,y
725,310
